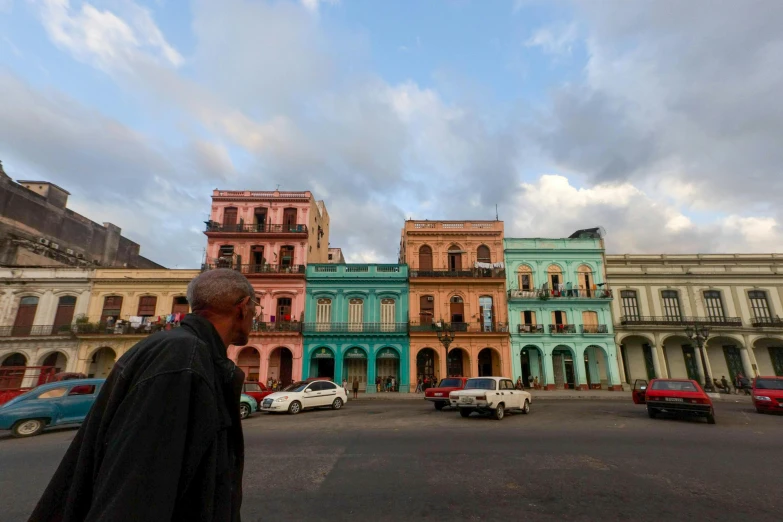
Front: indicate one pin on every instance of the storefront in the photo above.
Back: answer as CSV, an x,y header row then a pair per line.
x,y
387,365
322,363
355,367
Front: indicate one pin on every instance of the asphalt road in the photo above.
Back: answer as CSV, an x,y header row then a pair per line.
x,y
402,460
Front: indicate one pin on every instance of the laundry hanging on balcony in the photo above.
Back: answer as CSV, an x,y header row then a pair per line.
x,y
479,264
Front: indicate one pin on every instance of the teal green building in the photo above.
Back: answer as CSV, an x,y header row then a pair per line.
x,y
356,324
560,314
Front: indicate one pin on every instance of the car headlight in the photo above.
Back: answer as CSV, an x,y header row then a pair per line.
x,y
281,399
761,398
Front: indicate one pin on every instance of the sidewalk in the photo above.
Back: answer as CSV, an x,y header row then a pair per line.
x,y
540,395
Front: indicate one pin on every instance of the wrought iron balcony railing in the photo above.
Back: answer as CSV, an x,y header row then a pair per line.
x,y
562,329
594,329
35,330
359,328
767,322
641,320
426,326
473,272
278,326
603,292
530,328
121,328
256,228
256,270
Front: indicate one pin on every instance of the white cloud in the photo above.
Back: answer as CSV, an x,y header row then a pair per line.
x,y
314,5
555,40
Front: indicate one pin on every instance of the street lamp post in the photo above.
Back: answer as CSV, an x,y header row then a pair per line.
x,y
446,336
700,334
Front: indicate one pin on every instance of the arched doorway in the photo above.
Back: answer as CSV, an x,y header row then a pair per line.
x,y
637,356
355,367
596,368
102,362
769,356
281,366
726,358
12,376
532,365
565,376
322,363
458,363
427,362
683,360
488,363
56,360
387,364
249,361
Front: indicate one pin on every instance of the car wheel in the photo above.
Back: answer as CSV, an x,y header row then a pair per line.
x,y
337,404
27,428
526,407
295,407
499,412
244,410
465,412
711,417
439,405
651,412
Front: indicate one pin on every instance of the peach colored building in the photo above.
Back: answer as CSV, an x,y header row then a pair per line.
x,y
457,276
269,236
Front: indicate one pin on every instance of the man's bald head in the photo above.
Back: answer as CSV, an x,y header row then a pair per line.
x,y
218,291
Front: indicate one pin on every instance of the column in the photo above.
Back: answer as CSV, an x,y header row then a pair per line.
x,y
613,362
338,363
618,360
708,369
371,369
579,368
548,380
658,351
754,365
263,359
656,362
748,369
405,378
305,361
699,366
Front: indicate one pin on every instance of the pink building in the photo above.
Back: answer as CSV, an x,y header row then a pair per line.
x,y
269,237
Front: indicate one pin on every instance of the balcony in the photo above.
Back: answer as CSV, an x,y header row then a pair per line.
x,y
562,329
257,270
121,327
681,322
38,330
482,273
478,328
574,293
767,322
530,328
589,329
278,327
356,328
213,227
322,271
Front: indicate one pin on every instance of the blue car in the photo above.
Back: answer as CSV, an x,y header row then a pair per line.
x,y
51,404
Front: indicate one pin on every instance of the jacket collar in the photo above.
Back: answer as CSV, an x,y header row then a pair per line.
x,y
204,330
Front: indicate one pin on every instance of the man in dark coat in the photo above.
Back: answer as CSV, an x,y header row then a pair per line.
x,y
163,440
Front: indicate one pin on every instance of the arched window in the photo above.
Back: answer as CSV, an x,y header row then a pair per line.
x,y
25,316
590,321
180,305
483,254
323,314
555,276
457,309
486,313
455,258
112,307
585,280
64,315
286,256
425,258
387,315
355,315
289,219
229,218
147,305
259,219
426,309
525,277
283,311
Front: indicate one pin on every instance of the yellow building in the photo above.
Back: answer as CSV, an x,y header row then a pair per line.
x,y
125,306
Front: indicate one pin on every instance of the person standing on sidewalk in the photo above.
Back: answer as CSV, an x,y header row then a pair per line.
x,y
356,387
141,455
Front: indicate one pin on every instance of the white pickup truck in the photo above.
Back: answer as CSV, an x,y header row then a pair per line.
x,y
494,395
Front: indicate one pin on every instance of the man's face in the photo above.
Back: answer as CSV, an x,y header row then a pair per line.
x,y
247,310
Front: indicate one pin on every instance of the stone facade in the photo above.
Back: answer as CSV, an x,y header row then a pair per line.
x,y
560,313
739,297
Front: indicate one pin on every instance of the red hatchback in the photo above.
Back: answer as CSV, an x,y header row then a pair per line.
x,y
768,394
256,390
440,395
675,396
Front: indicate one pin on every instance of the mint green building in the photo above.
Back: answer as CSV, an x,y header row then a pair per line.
x,y
356,324
560,314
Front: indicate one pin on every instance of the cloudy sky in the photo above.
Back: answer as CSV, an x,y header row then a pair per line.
x,y
660,121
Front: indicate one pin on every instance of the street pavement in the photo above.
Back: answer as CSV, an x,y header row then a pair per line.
x,y
401,459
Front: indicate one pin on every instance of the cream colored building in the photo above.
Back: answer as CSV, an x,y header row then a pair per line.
x,y
125,294
38,306
739,297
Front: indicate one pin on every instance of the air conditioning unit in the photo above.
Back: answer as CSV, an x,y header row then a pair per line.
x,y
69,251
43,241
430,298
54,246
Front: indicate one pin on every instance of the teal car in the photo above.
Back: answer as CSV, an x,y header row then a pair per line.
x,y
53,404
247,405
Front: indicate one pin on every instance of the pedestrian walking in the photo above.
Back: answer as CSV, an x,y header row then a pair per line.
x,y
535,383
345,384
393,384
530,380
269,383
356,387
519,385
139,457
418,386
388,383
378,384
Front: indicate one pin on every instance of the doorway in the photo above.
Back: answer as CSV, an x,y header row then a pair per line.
x,y
457,309
488,363
355,367
689,356
322,363
281,365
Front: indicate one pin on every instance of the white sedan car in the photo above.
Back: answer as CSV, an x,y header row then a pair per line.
x,y
494,395
303,395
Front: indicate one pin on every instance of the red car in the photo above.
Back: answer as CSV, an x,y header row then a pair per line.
x,y
440,395
675,396
256,390
768,394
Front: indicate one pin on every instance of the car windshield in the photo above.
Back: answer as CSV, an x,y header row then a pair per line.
x,y
683,386
296,387
480,384
252,387
769,384
450,383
